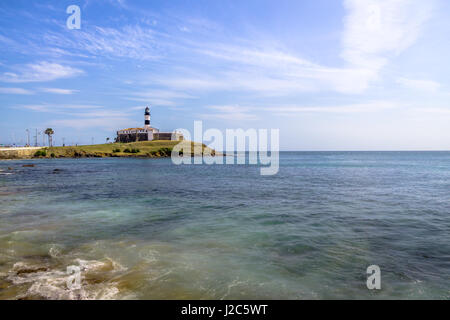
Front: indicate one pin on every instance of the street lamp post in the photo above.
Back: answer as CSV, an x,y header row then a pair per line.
x,y
28,137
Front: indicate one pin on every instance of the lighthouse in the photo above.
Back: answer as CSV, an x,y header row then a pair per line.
x,y
147,118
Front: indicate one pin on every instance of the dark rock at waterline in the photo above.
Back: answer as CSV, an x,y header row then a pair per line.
x,y
26,269
28,165
9,168
56,171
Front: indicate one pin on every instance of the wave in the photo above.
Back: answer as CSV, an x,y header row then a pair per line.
x,y
43,281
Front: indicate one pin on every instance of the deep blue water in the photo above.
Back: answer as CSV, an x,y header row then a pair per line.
x,y
145,228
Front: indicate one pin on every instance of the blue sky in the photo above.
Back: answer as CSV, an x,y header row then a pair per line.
x,y
331,75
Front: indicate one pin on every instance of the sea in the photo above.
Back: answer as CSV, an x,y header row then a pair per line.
x,y
136,228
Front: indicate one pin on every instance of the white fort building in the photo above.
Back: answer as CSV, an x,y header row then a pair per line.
x,y
146,133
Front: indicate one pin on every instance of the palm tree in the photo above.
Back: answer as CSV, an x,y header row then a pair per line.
x,y
49,132
107,139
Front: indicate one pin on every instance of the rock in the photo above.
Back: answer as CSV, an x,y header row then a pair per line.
x,y
22,268
56,171
28,166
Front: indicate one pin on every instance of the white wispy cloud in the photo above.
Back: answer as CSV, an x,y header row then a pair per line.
x,y
257,56
83,116
188,81
58,108
39,72
433,111
118,3
422,85
59,91
15,91
378,30
375,31
246,113
138,107
372,106
131,42
230,112
7,41
266,80
87,116
160,97
99,113
107,123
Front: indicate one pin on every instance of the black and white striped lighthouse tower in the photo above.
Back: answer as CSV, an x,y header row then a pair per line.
x,y
147,118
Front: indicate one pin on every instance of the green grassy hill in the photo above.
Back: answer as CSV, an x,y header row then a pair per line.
x,y
158,148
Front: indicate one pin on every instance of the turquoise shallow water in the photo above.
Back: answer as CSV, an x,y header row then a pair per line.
x,y
147,229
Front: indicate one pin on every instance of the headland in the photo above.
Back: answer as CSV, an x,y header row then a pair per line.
x,y
140,149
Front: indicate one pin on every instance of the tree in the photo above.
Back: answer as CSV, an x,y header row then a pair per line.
x,y
49,132
107,139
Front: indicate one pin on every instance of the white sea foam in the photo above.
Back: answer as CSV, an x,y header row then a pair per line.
x,y
50,283
149,255
54,251
95,265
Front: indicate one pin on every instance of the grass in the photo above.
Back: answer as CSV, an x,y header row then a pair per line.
x,y
40,153
158,148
